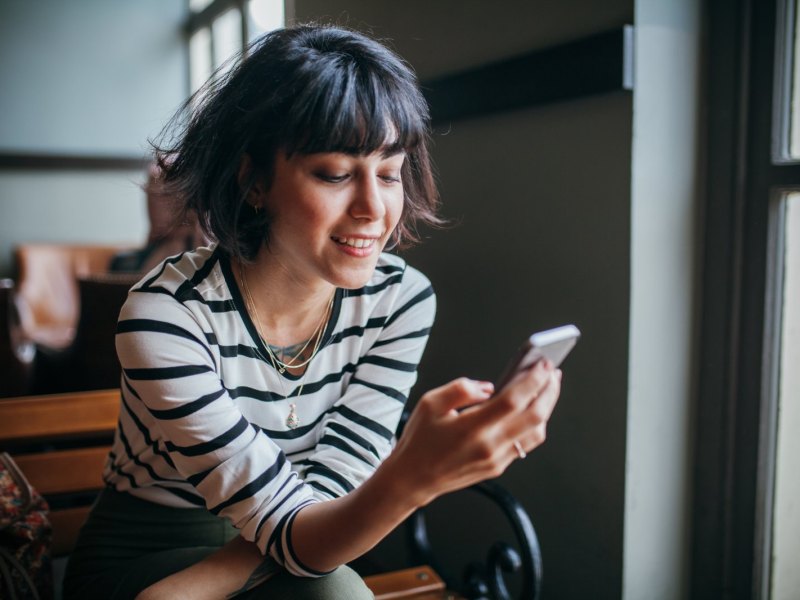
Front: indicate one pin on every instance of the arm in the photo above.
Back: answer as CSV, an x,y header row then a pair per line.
x,y
470,445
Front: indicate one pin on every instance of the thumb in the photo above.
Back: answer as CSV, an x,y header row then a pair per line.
x,y
460,393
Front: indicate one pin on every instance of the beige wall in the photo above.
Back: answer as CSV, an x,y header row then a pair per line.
x,y
95,77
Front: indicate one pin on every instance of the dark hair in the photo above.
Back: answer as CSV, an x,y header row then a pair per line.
x,y
305,89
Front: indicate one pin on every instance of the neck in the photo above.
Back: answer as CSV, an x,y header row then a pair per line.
x,y
286,309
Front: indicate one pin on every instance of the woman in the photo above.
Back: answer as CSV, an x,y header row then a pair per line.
x,y
264,376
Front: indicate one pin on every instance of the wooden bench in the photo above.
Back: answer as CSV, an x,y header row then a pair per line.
x,y
61,441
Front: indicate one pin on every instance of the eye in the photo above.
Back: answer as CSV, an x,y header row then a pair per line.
x,y
391,177
331,177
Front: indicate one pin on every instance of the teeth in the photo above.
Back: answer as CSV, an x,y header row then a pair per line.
x,y
355,242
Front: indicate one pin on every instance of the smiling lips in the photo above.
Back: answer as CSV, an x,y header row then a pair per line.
x,y
356,246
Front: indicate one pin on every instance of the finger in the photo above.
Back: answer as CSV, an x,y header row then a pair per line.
x,y
529,427
529,441
457,394
518,394
542,407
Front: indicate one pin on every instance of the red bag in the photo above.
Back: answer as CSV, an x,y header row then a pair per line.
x,y
25,537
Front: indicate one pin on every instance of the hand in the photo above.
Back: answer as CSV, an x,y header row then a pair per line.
x,y
460,434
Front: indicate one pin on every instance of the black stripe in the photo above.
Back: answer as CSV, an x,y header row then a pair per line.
x,y
141,325
190,294
389,363
290,548
357,330
218,442
118,470
276,507
145,431
187,409
198,478
159,373
386,391
353,436
317,468
423,295
244,391
137,325
276,532
336,442
414,334
308,388
368,290
323,489
252,488
199,275
291,434
365,422
390,269
240,350
146,286
137,461
180,493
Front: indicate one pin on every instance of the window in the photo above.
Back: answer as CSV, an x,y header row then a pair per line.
x,y
785,576
747,527
218,30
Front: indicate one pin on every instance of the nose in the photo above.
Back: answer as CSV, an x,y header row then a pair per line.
x,y
368,202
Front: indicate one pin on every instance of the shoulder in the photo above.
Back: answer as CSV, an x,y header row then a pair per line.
x,y
192,280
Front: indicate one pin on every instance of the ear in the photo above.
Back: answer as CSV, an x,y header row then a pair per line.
x,y
245,177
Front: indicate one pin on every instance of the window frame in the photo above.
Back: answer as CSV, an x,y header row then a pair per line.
x,y
747,175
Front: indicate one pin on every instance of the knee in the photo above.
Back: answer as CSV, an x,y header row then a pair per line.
x,y
342,583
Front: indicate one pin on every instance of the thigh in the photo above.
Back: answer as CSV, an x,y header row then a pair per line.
x,y
343,583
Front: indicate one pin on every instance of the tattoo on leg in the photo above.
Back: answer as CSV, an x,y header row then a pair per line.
x,y
262,572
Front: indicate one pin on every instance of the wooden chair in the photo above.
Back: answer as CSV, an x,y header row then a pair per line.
x,y
47,285
61,442
89,362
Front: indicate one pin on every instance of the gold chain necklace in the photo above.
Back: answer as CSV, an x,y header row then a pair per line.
x,y
292,419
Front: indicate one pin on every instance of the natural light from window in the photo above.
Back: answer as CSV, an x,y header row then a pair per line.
x,y
219,37
786,519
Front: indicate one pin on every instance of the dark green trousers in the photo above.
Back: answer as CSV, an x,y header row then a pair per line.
x,y
128,544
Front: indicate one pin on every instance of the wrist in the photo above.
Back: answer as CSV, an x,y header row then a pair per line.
x,y
402,483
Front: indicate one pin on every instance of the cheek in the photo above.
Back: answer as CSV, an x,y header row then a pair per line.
x,y
395,209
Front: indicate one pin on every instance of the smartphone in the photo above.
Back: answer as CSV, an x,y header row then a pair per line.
x,y
553,344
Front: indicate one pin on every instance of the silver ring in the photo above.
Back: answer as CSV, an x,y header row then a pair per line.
x,y
520,451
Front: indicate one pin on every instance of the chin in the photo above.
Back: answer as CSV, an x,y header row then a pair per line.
x,y
353,280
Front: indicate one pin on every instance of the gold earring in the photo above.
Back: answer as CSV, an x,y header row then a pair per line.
x,y
255,208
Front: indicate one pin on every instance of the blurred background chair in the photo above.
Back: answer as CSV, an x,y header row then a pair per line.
x,y
89,362
47,287
16,351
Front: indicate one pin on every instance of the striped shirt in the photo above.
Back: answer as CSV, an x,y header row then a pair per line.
x,y
203,412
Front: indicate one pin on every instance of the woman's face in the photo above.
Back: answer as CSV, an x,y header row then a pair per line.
x,y
331,214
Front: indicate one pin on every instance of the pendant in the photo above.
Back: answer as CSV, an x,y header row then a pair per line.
x,y
292,420
281,370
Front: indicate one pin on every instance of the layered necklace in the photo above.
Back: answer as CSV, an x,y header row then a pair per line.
x,y
295,362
